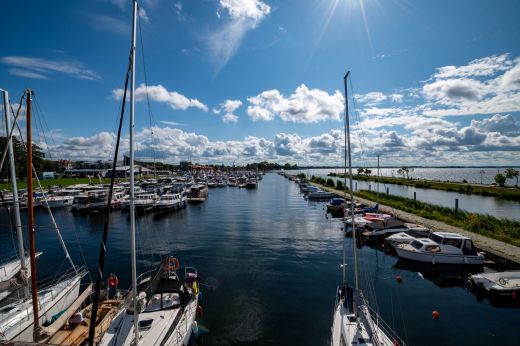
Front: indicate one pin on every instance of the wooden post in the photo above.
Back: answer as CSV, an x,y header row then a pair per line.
x,y
369,187
456,204
387,191
30,212
415,196
356,186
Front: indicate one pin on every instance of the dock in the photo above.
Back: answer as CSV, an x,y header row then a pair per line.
x,y
497,251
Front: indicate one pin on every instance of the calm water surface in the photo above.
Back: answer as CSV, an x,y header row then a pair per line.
x,y
273,260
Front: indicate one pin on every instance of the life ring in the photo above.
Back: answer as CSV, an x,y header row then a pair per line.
x,y
172,264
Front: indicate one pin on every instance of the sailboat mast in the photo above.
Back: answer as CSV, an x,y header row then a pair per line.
x,y
132,205
30,212
12,170
354,237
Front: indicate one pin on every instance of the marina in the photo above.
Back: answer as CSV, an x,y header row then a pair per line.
x,y
195,173
289,258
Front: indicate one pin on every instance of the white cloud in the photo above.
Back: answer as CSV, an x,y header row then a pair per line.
x,y
160,94
228,107
244,15
304,106
42,68
371,98
108,23
486,66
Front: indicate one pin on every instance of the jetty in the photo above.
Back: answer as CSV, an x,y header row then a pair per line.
x,y
497,251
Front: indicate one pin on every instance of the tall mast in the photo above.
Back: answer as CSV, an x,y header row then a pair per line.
x,y
30,212
354,237
16,202
132,206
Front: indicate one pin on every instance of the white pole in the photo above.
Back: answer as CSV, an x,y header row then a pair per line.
x,y
354,238
132,206
16,202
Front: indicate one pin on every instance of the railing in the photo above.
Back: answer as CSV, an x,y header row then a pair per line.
x,y
385,328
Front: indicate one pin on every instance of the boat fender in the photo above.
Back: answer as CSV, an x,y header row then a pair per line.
x,y
513,294
396,343
195,327
199,311
436,315
398,279
113,281
195,287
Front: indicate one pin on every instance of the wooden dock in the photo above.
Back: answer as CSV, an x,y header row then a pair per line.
x,y
505,254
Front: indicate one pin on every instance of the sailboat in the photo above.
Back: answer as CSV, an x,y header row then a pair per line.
x,y
161,307
353,321
28,319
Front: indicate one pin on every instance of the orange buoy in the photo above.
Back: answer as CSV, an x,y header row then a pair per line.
x,y
199,311
398,279
436,315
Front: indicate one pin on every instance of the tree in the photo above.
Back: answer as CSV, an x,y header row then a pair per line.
x,y
368,172
500,179
512,173
339,185
360,171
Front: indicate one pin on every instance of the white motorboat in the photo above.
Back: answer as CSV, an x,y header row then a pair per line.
x,y
315,193
169,202
12,277
441,247
499,283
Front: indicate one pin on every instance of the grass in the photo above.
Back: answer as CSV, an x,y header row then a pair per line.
x,y
53,182
508,193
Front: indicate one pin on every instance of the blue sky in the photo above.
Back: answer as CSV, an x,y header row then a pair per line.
x,y
435,82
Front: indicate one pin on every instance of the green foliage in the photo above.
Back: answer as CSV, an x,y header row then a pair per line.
x,y
330,182
301,176
512,173
360,170
500,179
339,184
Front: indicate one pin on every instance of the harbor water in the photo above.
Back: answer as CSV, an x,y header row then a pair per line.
x,y
270,260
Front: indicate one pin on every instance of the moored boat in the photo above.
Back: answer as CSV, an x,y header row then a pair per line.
x,y
441,247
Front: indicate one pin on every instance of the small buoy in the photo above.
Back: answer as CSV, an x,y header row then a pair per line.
x,y
199,311
436,315
382,246
398,279
513,294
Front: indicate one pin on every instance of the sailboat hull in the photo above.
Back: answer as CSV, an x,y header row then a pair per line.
x,y
17,324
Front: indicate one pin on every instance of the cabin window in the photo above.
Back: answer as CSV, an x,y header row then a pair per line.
x,y
416,244
453,242
436,238
432,248
145,324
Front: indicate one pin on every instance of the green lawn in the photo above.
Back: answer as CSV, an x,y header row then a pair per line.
x,y
54,182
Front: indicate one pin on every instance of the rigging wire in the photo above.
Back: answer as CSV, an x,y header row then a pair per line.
x,y
149,107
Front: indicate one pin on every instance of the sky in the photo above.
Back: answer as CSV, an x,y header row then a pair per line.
x,y
433,83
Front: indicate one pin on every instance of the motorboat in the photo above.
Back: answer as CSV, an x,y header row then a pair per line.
x,y
506,284
441,247
170,202
314,193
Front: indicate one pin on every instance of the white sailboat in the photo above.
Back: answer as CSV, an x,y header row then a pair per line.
x,y
353,320
26,319
161,307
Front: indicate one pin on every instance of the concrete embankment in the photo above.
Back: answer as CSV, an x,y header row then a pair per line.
x,y
497,251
